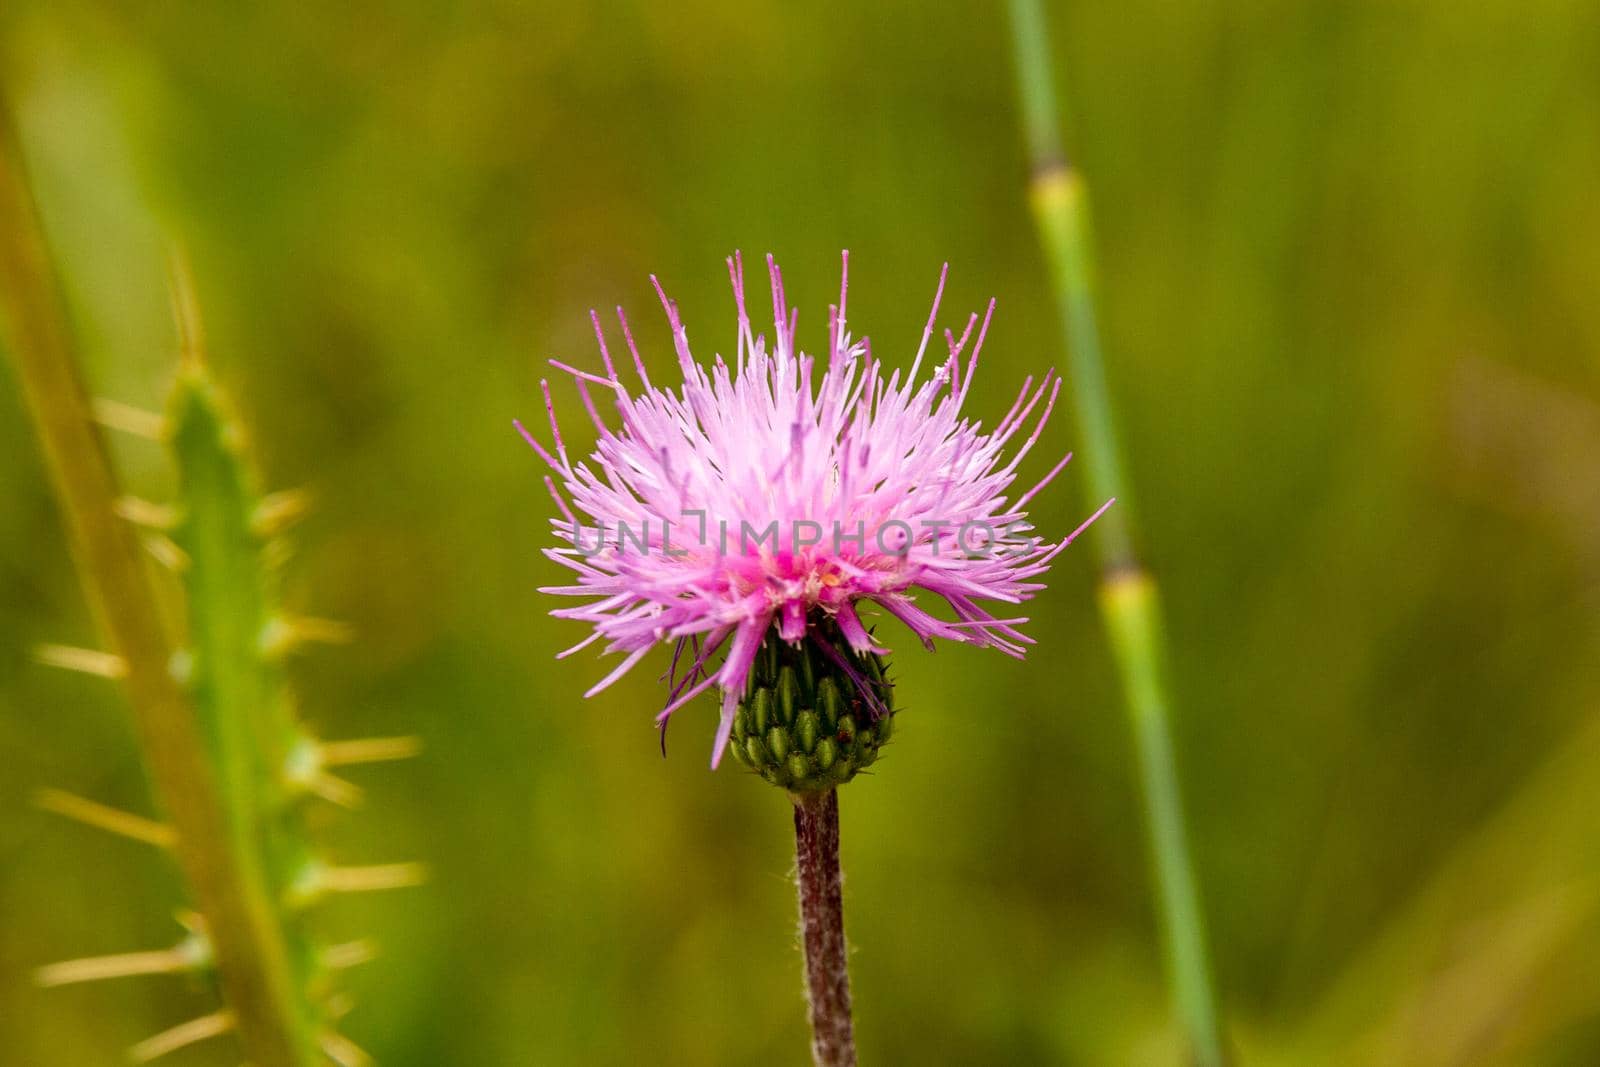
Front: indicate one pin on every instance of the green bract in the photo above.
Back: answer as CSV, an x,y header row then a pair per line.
x,y
804,723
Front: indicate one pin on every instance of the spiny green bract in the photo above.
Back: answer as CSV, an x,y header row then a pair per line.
x,y
803,724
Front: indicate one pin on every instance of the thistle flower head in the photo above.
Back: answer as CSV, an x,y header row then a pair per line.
x,y
772,499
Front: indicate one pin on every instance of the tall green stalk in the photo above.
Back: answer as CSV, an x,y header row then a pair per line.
x,y
1129,599
251,958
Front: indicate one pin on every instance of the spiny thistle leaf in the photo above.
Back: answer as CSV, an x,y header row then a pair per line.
x,y
268,766
241,698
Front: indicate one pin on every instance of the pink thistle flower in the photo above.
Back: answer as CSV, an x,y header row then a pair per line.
x,y
763,497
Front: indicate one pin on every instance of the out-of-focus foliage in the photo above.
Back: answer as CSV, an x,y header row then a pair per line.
x,y
1349,270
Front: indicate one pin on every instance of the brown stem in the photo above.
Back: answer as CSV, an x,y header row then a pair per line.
x,y
816,850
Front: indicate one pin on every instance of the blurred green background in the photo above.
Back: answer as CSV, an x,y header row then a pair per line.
x,y
1350,265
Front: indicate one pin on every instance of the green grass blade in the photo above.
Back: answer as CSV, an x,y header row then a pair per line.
x,y
1129,598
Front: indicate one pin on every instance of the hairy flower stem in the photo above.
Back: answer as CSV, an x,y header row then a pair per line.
x,y
1130,605
816,851
250,955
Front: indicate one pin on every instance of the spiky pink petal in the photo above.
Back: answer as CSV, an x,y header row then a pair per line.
x,y
908,495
